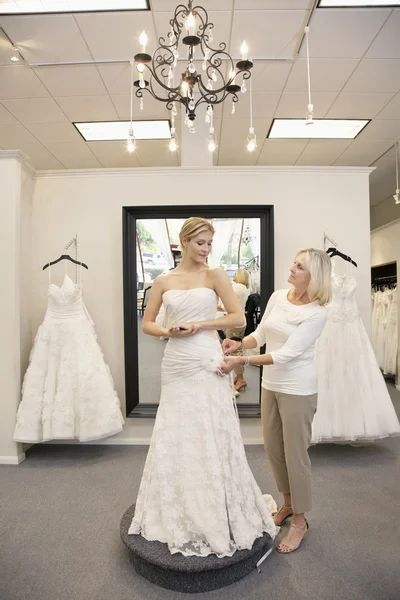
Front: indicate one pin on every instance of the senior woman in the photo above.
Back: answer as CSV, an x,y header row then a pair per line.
x,y
291,324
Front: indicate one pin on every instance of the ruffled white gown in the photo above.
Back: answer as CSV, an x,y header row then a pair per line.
x,y
353,400
197,492
68,391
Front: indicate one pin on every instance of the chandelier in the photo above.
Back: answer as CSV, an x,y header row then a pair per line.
x,y
218,79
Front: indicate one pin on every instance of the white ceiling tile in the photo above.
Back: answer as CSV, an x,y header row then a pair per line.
x,y
327,75
271,76
236,154
375,75
88,108
293,105
5,50
383,178
115,35
239,128
18,81
40,158
155,153
114,154
152,109
220,19
47,38
13,136
6,118
36,110
264,106
79,80
267,33
392,110
281,152
381,130
361,154
170,5
322,152
74,156
358,106
116,78
386,43
343,33
271,4
48,133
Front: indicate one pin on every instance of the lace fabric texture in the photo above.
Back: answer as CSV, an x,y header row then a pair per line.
x,y
353,401
68,391
197,492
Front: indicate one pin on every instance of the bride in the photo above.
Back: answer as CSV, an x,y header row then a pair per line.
x,y
197,492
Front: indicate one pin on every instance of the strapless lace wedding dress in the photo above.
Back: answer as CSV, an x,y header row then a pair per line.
x,y
197,492
353,400
67,391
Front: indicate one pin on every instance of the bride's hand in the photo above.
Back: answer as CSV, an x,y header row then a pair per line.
x,y
183,330
230,362
229,346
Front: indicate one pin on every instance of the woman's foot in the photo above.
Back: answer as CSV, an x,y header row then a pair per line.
x,y
240,383
283,513
293,539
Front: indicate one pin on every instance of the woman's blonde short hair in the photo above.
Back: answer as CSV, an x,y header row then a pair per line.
x,y
242,276
192,227
319,265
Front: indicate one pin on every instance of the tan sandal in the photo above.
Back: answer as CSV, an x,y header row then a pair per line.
x,y
286,540
283,508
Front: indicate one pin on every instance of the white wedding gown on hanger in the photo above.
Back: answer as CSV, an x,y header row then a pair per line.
x,y
197,492
68,391
353,400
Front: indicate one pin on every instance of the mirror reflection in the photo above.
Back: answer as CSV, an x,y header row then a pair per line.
x,y
236,249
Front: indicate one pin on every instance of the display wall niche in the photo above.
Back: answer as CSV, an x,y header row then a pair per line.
x,y
136,404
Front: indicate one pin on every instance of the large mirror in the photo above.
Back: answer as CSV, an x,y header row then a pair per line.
x,y
242,246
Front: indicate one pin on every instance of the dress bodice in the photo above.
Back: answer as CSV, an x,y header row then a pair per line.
x,y
343,306
196,304
65,301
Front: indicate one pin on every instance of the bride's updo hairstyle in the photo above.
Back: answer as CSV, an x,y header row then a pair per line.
x,y
192,227
319,265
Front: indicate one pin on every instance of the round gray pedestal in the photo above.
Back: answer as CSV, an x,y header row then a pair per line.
x,y
191,574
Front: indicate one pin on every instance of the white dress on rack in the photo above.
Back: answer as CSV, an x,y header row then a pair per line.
x,y
68,391
391,342
197,492
353,400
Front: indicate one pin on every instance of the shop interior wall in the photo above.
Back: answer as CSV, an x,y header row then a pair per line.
x,y
307,202
385,248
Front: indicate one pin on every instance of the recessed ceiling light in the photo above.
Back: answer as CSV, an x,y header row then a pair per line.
x,y
32,7
119,130
320,128
356,3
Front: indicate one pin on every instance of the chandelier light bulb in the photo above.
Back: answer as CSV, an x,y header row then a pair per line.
x,y
172,145
244,50
232,74
190,24
15,56
251,140
243,87
184,88
131,141
143,41
142,84
140,67
212,142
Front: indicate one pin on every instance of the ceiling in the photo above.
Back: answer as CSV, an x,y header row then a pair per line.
x,y
355,73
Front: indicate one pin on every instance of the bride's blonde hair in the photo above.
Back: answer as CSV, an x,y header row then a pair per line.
x,y
192,227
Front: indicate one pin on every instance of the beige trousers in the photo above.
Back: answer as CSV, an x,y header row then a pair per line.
x,y
287,421
239,370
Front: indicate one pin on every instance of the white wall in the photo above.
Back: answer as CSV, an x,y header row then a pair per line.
x,y
307,202
15,299
385,248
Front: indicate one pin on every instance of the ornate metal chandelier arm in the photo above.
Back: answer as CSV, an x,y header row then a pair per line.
x,y
211,98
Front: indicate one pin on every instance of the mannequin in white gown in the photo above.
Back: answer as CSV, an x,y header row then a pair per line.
x,y
197,492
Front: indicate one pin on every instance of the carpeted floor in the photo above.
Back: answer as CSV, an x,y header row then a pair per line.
x,y
61,508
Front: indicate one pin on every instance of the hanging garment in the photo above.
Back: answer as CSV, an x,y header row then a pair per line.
x,y
67,391
391,341
197,492
353,401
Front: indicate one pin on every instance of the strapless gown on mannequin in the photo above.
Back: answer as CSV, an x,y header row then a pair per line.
x,y
68,391
197,492
353,400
